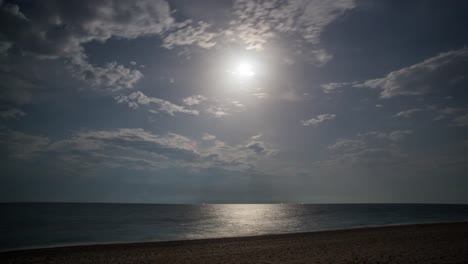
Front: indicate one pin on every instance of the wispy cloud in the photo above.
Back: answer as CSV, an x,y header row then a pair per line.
x,y
208,137
443,113
12,113
368,148
461,121
154,105
424,77
347,145
408,113
138,149
318,120
217,107
21,145
457,116
396,135
16,88
334,87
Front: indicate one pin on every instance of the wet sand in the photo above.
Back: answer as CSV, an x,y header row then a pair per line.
x,y
434,243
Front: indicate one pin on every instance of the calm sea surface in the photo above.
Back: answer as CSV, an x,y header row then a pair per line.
x,y
50,224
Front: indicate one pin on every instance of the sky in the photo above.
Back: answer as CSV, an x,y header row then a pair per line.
x,y
243,101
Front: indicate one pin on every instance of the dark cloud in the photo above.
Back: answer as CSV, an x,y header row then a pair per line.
x,y
256,147
54,29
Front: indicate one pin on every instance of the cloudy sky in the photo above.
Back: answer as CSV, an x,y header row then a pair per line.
x,y
234,101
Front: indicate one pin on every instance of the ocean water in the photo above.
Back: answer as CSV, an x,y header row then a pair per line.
x,y
54,224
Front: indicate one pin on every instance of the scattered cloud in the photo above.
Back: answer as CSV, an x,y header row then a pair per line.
x,y
112,76
54,29
434,73
186,33
257,22
318,119
154,105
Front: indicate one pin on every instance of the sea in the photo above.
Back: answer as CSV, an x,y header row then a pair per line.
x,y
38,225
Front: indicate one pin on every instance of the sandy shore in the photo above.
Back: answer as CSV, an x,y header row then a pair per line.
x,y
436,243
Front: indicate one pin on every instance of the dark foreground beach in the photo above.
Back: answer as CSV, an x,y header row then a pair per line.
x,y
434,243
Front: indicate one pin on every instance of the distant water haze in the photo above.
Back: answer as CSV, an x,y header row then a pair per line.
x,y
54,224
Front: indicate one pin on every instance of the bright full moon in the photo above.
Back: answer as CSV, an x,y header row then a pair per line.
x,y
244,70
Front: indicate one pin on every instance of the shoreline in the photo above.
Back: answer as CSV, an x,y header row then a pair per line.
x,y
198,240
416,243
